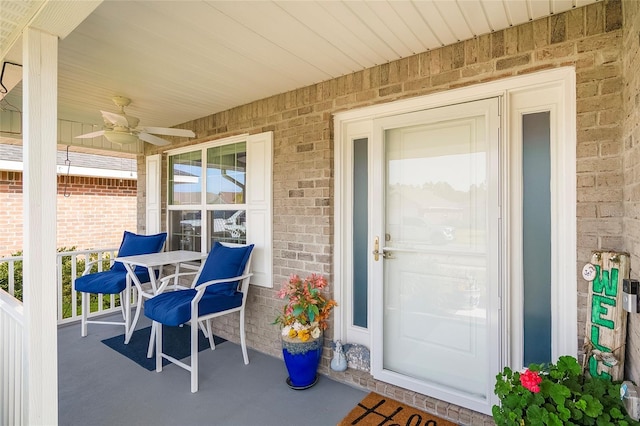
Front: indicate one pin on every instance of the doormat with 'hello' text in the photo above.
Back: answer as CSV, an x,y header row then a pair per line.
x,y
376,410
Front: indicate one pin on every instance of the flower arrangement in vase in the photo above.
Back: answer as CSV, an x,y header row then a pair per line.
x,y
303,319
307,310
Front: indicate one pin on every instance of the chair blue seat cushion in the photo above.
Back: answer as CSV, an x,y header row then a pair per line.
x,y
224,262
134,244
174,307
107,282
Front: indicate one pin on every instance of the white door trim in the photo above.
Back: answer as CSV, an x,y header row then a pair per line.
x,y
343,230
564,299
353,124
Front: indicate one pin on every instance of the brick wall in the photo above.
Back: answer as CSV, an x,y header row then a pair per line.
x,y
588,38
10,212
94,215
631,163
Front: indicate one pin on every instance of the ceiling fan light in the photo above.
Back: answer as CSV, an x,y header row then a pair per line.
x,y
120,137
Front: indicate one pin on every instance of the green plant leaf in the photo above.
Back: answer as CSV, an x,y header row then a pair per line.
x,y
514,416
495,411
536,367
535,415
514,401
553,420
604,420
569,365
564,413
615,413
593,407
502,388
558,393
314,309
576,414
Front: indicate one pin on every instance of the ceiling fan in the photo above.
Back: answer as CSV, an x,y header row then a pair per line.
x,y
122,128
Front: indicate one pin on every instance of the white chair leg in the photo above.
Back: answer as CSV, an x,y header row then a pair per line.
x,y
125,304
194,355
212,343
85,312
203,327
152,339
243,340
158,333
123,308
135,318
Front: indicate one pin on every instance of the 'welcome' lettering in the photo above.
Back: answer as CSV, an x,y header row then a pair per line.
x,y
606,321
602,281
605,290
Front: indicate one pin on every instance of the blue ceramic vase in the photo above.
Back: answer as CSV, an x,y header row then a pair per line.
x,y
302,360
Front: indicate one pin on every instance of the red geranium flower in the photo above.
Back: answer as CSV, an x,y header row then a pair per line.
x,y
531,380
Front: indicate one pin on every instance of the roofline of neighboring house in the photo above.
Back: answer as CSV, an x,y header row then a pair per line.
x,y
16,166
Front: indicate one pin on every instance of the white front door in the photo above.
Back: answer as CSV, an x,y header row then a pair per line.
x,y
435,269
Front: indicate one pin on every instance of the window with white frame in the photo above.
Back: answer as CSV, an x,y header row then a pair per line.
x,y
221,191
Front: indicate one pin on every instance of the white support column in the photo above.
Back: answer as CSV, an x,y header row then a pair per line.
x,y
40,80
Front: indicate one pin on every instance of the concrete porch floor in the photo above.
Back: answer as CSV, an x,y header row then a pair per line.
x,y
98,386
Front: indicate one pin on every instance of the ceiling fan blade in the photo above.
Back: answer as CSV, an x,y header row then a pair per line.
x,y
169,132
153,139
116,119
91,135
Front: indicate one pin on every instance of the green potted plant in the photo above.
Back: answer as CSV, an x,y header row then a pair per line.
x,y
557,394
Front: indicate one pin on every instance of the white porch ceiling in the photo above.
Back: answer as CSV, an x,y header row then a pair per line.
x,y
181,60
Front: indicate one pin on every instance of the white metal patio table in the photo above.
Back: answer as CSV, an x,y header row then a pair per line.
x,y
153,262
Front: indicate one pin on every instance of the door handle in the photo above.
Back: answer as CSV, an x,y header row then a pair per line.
x,y
376,249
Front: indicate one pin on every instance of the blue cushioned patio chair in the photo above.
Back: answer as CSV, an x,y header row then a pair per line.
x,y
219,288
116,280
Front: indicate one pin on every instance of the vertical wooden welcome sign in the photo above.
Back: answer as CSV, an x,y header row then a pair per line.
x,y
606,330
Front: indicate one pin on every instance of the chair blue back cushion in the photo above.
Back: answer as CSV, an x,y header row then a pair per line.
x,y
134,244
224,262
107,282
174,307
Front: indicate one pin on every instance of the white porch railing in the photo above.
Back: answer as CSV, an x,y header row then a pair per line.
x,y
12,394
71,264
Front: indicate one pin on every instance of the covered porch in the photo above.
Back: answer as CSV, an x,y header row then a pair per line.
x,y
596,40
99,385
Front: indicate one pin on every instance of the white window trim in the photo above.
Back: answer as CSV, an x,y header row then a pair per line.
x,y
209,144
356,123
153,179
258,203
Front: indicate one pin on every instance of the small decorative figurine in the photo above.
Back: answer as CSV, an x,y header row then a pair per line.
x,y
339,360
